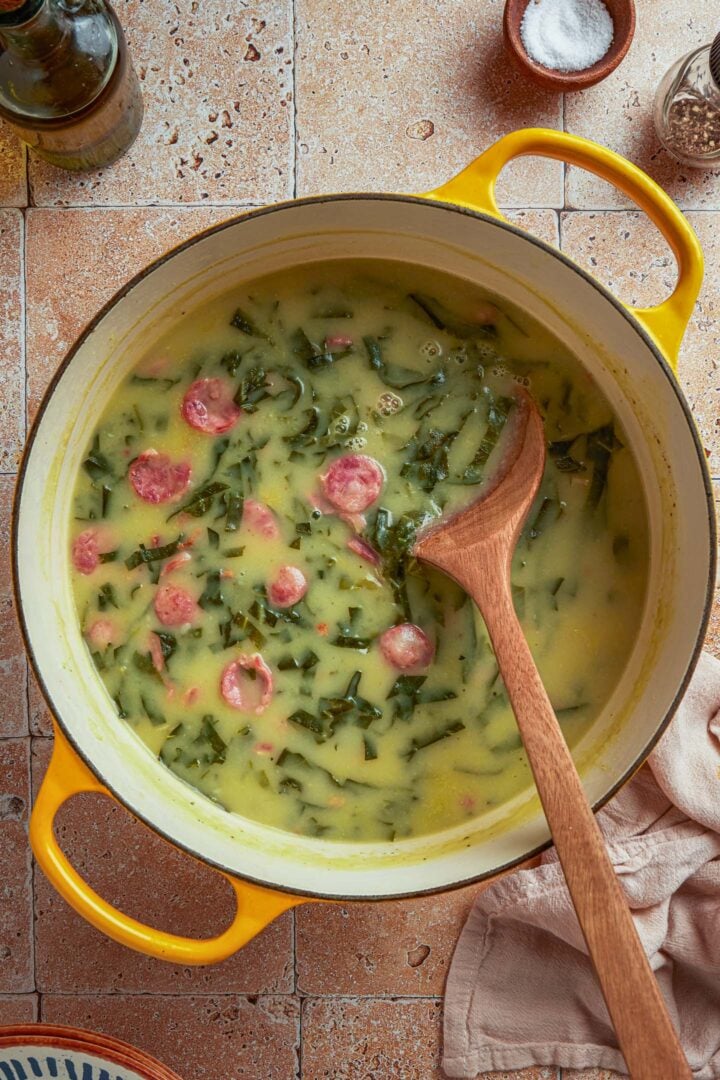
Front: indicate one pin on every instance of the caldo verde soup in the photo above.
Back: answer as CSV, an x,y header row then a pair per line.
x,y
241,540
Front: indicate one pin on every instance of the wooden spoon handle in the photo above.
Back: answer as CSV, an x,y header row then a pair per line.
x,y
645,1032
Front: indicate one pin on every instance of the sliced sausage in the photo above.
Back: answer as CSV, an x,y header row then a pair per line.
x,y
174,606
406,646
156,652
288,587
364,550
243,693
318,501
338,341
102,633
353,482
175,563
486,314
157,656
208,406
259,518
192,538
157,479
358,522
89,546
86,552
264,749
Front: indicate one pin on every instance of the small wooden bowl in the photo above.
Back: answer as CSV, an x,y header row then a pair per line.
x,y
623,16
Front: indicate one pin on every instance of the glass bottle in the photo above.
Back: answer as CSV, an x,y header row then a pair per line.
x,y
687,107
67,84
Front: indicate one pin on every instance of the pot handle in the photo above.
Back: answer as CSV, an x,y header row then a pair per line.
x,y
474,187
67,775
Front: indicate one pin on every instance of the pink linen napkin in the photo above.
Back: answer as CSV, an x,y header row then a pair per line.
x,y
521,990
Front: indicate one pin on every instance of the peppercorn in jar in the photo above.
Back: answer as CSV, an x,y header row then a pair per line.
x,y
687,107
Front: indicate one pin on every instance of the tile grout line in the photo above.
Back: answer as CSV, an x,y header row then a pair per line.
x,y
295,994
94,993
28,184
301,1004
564,163
88,208
20,738
25,381
33,864
294,124
294,158
26,667
23,319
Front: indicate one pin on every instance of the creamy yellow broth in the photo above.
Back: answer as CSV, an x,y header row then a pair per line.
x,y
416,373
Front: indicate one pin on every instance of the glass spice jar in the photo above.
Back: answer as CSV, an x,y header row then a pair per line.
x,y
687,108
67,84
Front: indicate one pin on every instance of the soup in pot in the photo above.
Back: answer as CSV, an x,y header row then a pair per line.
x,y
241,536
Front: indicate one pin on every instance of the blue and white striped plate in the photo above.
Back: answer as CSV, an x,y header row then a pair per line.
x,y
57,1052
48,1063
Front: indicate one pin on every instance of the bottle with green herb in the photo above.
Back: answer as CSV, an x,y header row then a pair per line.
x,y
67,84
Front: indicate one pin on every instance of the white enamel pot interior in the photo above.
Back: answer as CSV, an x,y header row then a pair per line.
x,y
500,258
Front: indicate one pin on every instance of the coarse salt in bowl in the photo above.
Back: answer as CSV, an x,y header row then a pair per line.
x,y
594,34
567,35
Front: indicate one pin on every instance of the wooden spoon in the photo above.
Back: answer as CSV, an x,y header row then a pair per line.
x,y
475,547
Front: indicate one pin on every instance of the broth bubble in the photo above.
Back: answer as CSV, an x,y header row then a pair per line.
x,y
356,443
430,350
388,404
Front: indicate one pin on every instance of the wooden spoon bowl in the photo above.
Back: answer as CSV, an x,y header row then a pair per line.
x,y
623,16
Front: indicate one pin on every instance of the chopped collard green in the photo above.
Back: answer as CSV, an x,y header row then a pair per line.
x,y
144,555
252,389
201,501
246,325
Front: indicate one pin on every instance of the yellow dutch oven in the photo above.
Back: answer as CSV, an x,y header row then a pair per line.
x,y
457,229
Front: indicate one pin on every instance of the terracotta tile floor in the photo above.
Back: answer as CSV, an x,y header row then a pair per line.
x,y
381,97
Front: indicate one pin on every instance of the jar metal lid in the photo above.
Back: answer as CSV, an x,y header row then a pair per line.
x,y
715,60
